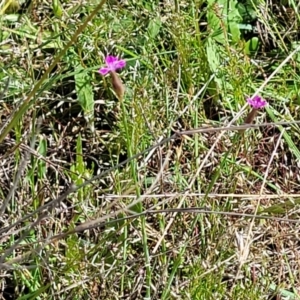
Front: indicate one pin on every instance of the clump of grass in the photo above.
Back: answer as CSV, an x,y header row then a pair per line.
x,y
150,191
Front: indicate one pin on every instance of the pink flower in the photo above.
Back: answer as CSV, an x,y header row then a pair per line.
x,y
257,102
112,64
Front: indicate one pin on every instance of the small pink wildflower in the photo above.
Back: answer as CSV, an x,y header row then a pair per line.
x,y
257,102
112,64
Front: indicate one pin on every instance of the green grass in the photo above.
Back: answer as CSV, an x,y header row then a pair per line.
x,y
107,198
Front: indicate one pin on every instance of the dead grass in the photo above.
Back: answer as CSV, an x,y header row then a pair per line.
x,y
104,214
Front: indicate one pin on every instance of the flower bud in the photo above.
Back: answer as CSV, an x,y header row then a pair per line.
x,y
251,116
117,84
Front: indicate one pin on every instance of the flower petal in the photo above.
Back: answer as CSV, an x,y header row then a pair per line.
x,y
112,64
119,64
104,71
110,60
257,102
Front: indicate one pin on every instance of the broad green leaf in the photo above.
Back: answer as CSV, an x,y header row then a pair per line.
x,y
281,208
213,58
224,12
85,95
251,46
214,24
247,12
154,27
234,18
235,31
57,8
246,27
41,163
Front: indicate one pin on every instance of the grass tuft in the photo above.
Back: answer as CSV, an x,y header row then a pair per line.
x,y
160,193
